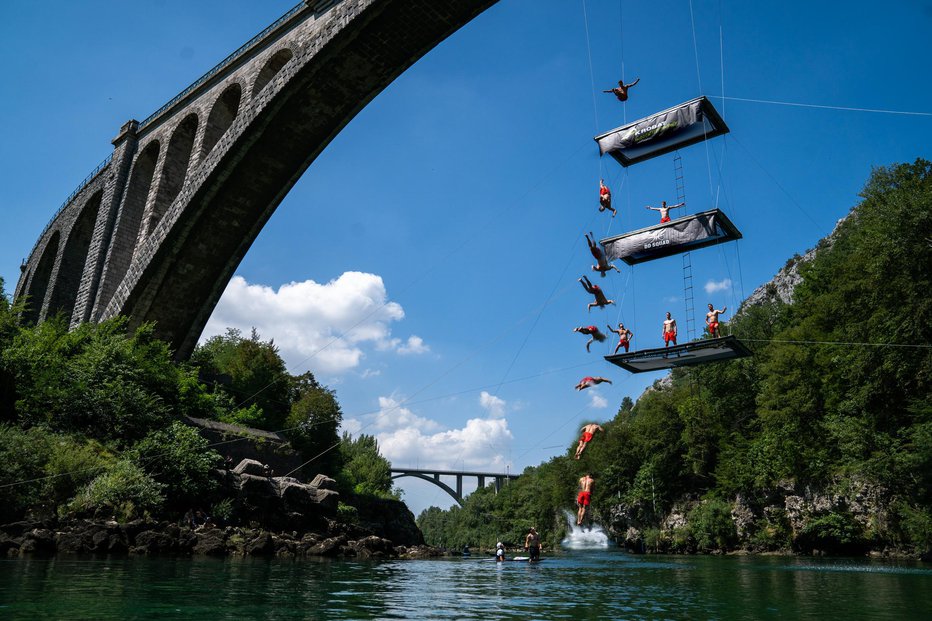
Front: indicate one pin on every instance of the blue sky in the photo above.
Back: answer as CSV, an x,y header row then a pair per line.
x,y
455,203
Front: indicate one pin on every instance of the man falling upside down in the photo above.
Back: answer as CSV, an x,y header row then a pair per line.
x,y
600,300
605,198
601,264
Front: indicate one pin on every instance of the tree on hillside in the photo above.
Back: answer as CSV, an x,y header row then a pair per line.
x,y
365,471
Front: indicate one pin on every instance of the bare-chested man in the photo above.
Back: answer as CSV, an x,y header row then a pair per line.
x,y
583,498
600,300
587,432
621,91
594,334
624,337
601,265
711,320
664,210
532,545
605,198
587,381
669,331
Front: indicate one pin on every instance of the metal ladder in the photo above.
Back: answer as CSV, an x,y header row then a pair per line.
x,y
687,259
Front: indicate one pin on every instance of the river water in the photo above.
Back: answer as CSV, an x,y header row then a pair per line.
x,y
569,584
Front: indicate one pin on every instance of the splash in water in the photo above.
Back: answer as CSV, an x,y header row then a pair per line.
x,y
583,537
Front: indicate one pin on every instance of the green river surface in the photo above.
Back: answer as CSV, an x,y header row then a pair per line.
x,y
601,584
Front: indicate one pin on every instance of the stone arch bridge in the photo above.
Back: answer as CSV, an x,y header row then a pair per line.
x,y
433,476
156,231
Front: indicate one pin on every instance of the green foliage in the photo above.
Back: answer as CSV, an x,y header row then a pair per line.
x,y
313,423
179,460
253,374
365,471
835,532
347,514
222,511
95,380
711,526
125,492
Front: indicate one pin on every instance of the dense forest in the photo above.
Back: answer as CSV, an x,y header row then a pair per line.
x,y
92,421
820,441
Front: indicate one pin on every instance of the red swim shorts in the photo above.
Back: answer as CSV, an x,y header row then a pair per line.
x,y
713,326
669,336
586,436
583,499
665,219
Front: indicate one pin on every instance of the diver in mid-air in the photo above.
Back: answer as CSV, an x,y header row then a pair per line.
x,y
601,265
621,91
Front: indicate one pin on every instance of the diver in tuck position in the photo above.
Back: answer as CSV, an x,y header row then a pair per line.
x,y
601,264
621,91
600,300
664,210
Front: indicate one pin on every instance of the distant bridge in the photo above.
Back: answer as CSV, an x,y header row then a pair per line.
x,y
433,476
156,231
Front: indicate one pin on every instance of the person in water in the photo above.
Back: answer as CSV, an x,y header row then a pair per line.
x,y
601,265
584,497
669,331
605,198
621,91
500,552
600,300
664,210
624,337
587,432
711,320
594,334
532,545
586,382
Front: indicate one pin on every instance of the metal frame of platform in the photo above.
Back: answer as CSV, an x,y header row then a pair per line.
x,y
687,354
729,230
672,143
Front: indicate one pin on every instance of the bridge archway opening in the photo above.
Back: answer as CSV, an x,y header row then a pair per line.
x,y
174,170
74,256
129,220
40,280
271,69
221,117
435,482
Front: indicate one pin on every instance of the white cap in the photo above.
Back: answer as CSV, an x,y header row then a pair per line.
x,y
499,545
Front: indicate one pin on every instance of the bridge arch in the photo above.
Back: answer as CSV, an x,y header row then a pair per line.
x,y
39,284
74,256
436,481
271,68
174,170
222,114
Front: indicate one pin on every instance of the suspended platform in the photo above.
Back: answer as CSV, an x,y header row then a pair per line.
x,y
688,354
706,228
680,126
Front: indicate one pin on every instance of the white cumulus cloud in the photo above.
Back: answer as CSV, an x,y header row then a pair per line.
x,y
597,401
714,287
495,406
324,327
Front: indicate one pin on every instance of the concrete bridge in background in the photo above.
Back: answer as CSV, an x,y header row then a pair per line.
x,y
433,476
157,230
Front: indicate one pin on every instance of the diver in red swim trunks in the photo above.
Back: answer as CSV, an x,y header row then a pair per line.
x,y
669,331
711,320
586,382
601,265
621,91
587,432
664,210
605,198
600,300
594,334
624,337
583,498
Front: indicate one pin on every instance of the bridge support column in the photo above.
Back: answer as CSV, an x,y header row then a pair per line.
x,y
481,481
459,485
124,149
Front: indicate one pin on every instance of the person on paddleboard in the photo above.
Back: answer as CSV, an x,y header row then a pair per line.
x,y
532,545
